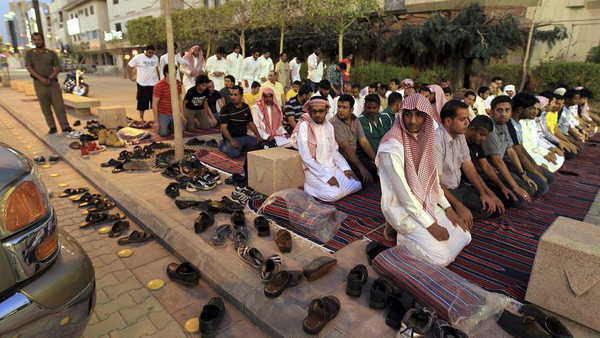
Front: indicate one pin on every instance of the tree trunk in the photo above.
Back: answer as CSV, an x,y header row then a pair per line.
x,y
528,49
243,43
173,84
341,45
281,40
208,49
468,70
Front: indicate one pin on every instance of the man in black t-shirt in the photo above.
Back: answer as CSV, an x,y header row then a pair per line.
x,y
197,112
236,118
224,92
213,97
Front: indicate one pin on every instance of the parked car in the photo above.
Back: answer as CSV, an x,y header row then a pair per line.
x,y
47,283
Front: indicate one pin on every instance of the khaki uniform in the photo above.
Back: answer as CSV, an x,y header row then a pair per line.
x,y
43,62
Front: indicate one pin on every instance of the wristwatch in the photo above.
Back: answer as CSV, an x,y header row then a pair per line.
x,y
522,173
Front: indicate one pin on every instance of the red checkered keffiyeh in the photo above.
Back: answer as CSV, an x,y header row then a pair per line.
x,y
312,138
419,153
276,116
440,101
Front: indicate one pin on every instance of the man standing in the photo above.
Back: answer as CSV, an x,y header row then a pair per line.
x,y
229,83
336,78
328,176
250,69
470,200
234,64
216,68
194,66
42,65
266,65
146,66
351,139
479,107
359,102
295,66
293,108
375,125
268,118
348,62
236,118
161,105
324,89
276,86
412,200
282,69
315,69
179,61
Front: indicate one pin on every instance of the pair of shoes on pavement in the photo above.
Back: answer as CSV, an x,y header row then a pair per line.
x,y
243,194
42,160
53,130
91,148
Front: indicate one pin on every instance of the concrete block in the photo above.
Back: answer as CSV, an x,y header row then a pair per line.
x,y
21,86
565,278
29,89
14,84
274,169
112,117
80,105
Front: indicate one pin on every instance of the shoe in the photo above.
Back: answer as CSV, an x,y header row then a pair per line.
x,y
357,278
232,205
396,312
238,219
76,123
551,324
235,179
93,148
319,267
203,222
241,235
212,143
252,256
111,163
171,172
380,290
172,190
118,228
283,239
270,267
280,281
52,131
320,312
374,249
441,329
39,160
75,134
84,152
419,322
211,316
197,183
75,145
67,130
112,140
53,158
262,226
182,203
184,273
195,142
221,234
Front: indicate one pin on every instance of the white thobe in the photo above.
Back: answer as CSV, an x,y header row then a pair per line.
x,y
328,163
179,61
404,212
258,118
535,147
266,65
250,69
479,106
188,80
359,105
214,65
234,66
295,70
315,68
332,105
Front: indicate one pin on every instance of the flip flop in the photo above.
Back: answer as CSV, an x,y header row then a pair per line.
x,y
82,198
102,206
99,218
118,228
134,237
118,168
92,201
320,312
221,234
71,192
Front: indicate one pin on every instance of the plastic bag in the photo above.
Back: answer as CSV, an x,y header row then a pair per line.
x,y
463,304
306,215
132,134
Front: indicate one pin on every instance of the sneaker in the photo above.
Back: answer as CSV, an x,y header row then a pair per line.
x,y
198,183
84,152
211,177
93,148
39,160
52,131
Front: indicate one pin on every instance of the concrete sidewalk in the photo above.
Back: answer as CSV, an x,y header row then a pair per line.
x,y
141,196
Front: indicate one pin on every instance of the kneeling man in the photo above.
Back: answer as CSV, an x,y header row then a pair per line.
x,y
268,117
412,200
328,176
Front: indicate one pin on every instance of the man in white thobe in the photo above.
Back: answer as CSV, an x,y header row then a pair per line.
x,y
412,199
179,62
193,67
250,69
216,68
266,65
234,64
268,118
315,69
327,175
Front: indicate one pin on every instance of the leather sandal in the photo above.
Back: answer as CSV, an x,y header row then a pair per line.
x,y
252,256
221,234
102,206
283,239
99,218
320,312
118,228
357,278
134,237
71,192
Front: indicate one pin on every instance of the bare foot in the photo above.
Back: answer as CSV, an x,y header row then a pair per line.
x,y
389,232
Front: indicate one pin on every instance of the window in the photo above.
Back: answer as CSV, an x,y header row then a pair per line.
x,y
95,34
91,10
60,16
118,27
206,3
86,12
115,2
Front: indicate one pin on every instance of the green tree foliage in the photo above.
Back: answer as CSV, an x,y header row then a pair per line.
x,y
146,30
547,75
377,71
279,14
236,16
593,55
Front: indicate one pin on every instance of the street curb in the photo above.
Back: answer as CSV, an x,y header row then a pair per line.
x,y
234,284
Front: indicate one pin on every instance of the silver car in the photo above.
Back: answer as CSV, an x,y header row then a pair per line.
x,y
47,283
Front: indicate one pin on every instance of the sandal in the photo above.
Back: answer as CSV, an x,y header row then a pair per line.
x,y
111,163
39,160
75,145
135,166
240,237
221,234
99,218
124,155
102,206
252,256
81,198
53,158
71,192
134,237
281,281
118,228
92,201
320,312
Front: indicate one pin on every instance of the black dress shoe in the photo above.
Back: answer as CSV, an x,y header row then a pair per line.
x,y
262,226
204,220
172,190
184,273
52,131
374,249
238,219
211,316
380,289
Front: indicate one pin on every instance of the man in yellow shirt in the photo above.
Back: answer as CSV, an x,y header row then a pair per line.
x,y
276,86
293,91
251,96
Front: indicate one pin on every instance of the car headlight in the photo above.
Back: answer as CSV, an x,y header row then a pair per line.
x,y
22,205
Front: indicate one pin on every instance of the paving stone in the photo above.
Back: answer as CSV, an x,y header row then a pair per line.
x,y
171,330
122,302
101,297
115,291
142,327
136,311
139,295
123,275
159,319
105,280
113,322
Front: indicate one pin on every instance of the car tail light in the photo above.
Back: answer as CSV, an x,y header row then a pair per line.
x,y
47,247
22,205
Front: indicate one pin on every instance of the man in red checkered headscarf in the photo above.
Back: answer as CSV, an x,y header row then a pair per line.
x,y
412,200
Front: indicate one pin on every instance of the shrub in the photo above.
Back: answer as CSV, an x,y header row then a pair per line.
x,y
433,75
548,75
510,73
593,55
377,71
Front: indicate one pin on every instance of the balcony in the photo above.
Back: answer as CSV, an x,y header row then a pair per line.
x,y
413,6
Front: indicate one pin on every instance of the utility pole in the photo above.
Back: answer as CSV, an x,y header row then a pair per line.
x,y
178,130
38,16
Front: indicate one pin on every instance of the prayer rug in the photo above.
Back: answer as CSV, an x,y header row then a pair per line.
x,y
363,209
214,158
501,254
